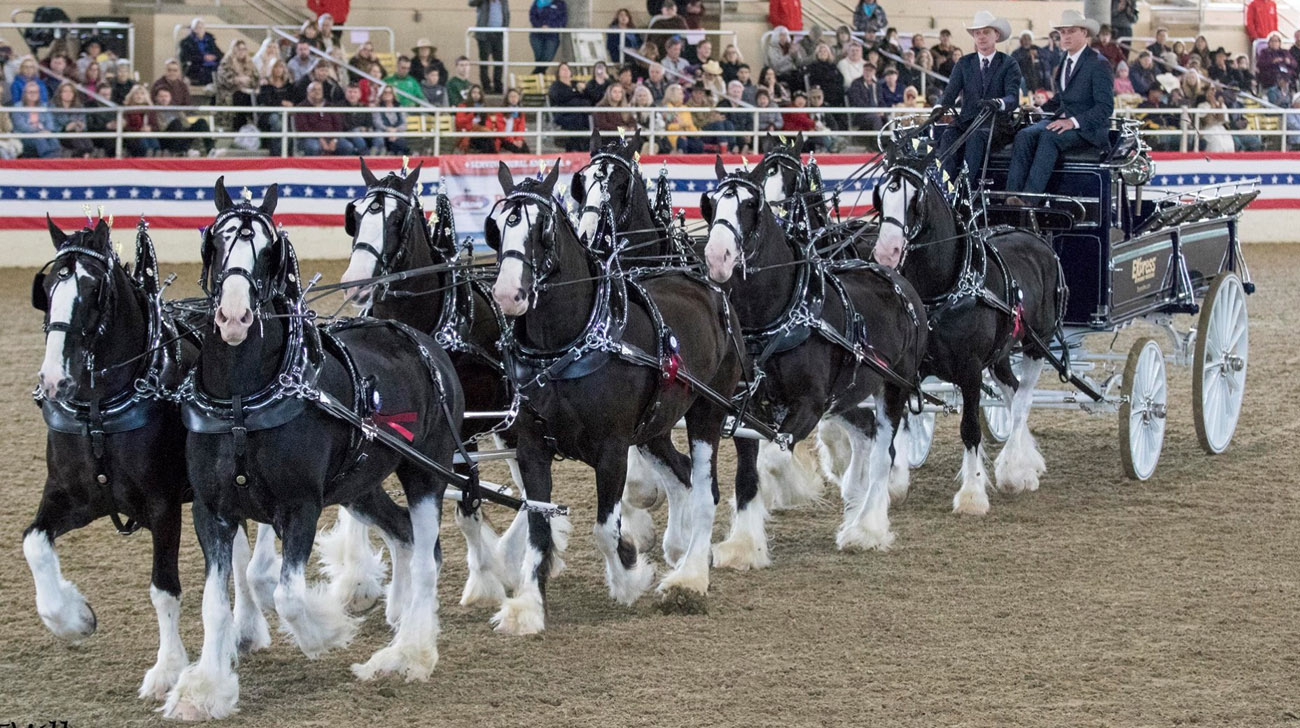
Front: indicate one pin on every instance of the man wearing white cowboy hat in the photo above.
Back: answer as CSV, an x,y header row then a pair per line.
x,y
1080,109
987,78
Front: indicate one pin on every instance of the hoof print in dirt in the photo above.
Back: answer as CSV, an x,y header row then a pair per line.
x,y
676,600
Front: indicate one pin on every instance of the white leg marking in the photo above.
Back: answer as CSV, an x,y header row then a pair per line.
x,y
833,451
483,587
395,599
515,475
899,472
251,630
523,613
310,615
413,653
1020,463
171,651
746,544
626,585
866,524
264,569
854,481
692,572
209,688
973,498
354,568
677,533
60,606
785,480
644,490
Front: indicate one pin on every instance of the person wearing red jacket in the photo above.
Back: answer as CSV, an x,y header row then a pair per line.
x,y
512,122
337,9
797,121
1261,18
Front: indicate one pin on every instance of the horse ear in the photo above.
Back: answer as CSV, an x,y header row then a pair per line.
x,y
706,208
272,197
720,170
548,184
366,174
798,143
220,197
57,235
595,141
636,141
506,179
101,234
413,179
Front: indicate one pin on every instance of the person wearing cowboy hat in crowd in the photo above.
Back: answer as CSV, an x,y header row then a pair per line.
x,y
424,56
985,79
1080,110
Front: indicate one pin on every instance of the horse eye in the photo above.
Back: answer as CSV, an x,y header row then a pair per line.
x,y
513,218
772,172
65,273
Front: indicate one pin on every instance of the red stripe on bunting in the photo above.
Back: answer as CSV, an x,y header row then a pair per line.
x,y
215,165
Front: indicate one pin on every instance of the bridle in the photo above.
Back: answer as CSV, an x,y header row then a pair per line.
x,y
603,175
727,188
373,203
264,286
782,158
65,269
539,269
897,178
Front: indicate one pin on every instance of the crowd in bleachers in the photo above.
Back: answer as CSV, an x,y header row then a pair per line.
x,y
715,100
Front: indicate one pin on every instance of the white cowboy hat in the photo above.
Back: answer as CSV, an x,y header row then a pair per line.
x,y
1167,81
985,19
1075,19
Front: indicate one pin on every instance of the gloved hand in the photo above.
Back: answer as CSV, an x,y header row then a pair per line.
x,y
991,104
938,112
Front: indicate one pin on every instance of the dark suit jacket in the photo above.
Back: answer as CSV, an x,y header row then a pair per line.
x,y
1089,98
1002,82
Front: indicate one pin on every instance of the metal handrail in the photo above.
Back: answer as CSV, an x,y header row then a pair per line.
x,y
128,27
506,63
80,89
420,101
1174,67
293,29
925,73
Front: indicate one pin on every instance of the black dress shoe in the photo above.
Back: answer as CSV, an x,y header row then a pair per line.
x,y
1014,201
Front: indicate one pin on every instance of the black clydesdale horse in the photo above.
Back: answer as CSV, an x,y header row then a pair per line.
x,y
115,442
825,338
601,360
986,291
260,449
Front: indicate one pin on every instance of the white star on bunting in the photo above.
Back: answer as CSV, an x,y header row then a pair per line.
x,y
134,193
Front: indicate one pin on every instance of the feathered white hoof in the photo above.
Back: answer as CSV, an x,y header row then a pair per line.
x,y
73,619
687,578
199,695
521,615
354,568
899,482
316,623
741,553
785,480
483,589
412,662
638,527
1019,465
253,633
970,503
833,451
162,677
857,536
627,585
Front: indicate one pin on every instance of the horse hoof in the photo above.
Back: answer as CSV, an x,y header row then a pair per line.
x,y
970,504
76,628
739,554
363,604
680,600
859,538
520,616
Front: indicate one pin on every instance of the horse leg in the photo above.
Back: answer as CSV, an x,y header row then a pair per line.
x,y
355,570
784,479
251,630
484,585
671,472
746,544
704,428
377,510
209,688
264,569
165,593
866,524
833,452
644,490
58,602
627,573
973,498
1019,464
413,651
900,474
312,617
525,612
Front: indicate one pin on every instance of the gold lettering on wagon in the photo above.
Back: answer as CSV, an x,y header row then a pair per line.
x,y
1144,269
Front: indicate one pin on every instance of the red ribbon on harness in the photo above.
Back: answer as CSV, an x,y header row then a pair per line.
x,y
1018,324
670,369
396,421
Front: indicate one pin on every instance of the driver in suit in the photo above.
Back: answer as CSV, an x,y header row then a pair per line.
x,y
987,78
1080,110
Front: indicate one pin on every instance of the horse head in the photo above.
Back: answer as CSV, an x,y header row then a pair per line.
x,y
613,171
734,210
381,223
245,261
781,172
900,198
521,229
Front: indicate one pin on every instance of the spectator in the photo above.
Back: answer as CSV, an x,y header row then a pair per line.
x,y
275,90
1143,75
648,121
325,28
491,14
779,92
1245,77
1273,63
864,93
1279,92
58,65
768,121
8,72
1110,50
667,19
793,122
626,80
703,53
1295,47
199,54
614,42
657,82
891,91
458,85
594,91
823,121
908,73
302,62
423,57
741,121
678,68
613,121
808,44
30,117
707,118
747,83
309,33
28,72
1039,75
890,44
91,79
680,120
1219,69
370,89
434,92
1261,19
403,81
943,52
1123,85
123,80
390,122
650,52
360,121
850,67
174,123
336,9
173,81
9,148
823,73
1179,54
1052,54
92,53
1293,123
236,81
331,91
142,122
1022,53
1201,50
1160,46
324,128
366,56
474,119
711,79
783,57
843,39
512,124
562,94
1123,14
692,11
1158,122
869,17
546,14
1215,136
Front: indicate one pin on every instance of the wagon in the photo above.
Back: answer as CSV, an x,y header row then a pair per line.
x,y
1132,254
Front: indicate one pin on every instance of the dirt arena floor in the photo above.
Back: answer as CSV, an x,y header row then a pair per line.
x,y
1093,602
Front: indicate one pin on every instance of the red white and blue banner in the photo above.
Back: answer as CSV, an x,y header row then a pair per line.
x,y
177,193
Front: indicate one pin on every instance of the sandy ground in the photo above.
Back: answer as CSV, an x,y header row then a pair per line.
x,y
1093,602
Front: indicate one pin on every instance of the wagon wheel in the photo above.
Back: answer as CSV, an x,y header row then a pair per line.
x,y
1142,409
920,433
1219,366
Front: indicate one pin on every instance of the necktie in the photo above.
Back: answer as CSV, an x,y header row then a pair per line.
x,y
985,69
1069,68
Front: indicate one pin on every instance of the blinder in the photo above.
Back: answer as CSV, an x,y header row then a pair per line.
x,y
350,219
40,297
